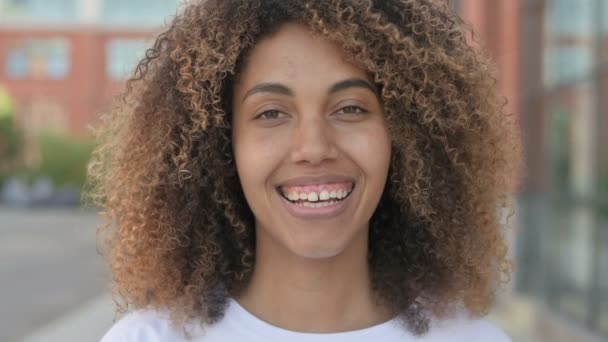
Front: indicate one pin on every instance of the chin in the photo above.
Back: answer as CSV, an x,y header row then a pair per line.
x,y
317,252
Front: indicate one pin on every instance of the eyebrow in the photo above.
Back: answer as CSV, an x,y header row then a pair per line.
x,y
353,83
275,88
278,88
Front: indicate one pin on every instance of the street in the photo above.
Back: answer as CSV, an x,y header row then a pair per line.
x,y
54,286
49,266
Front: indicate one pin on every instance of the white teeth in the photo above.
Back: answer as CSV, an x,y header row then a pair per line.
x,y
313,197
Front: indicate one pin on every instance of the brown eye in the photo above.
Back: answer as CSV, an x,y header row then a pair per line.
x,y
352,110
269,114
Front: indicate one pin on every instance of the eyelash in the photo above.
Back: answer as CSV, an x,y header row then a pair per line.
x,y
360,111
260,116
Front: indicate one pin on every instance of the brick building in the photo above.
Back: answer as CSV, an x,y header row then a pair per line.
x,y
552,57
62,61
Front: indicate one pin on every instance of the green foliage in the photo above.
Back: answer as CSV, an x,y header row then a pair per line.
x,y
6,104
11,141
63,159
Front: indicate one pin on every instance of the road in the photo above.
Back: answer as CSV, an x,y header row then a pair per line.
x,y
49,266
53,282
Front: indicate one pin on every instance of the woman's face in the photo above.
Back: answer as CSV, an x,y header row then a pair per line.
x,y
310,142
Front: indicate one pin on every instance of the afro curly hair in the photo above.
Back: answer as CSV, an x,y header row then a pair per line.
x,y
179,234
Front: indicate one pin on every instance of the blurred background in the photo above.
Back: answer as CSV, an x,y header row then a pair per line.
x,y
62,61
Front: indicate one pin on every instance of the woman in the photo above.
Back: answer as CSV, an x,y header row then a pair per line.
x,y
307,171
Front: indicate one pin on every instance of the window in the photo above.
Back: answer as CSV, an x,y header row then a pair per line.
x,y
122,56
567,64
567,17
570,30
152,12
38,10
455,5
562,248
39,58
604,10
17,63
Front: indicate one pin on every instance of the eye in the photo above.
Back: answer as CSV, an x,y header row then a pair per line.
x,y
352,110
269,114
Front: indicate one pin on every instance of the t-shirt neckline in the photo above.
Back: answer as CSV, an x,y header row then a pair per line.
x,y
246,320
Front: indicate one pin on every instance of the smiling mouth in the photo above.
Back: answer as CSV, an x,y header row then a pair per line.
x,y
319,198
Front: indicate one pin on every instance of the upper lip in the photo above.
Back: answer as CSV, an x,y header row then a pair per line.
x,y
315,180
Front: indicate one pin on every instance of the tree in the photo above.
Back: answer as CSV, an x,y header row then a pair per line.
x,y
11,139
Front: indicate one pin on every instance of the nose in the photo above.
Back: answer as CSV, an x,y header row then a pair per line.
x,y
313,142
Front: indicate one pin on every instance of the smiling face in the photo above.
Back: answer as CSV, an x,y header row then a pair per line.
x,y
311,144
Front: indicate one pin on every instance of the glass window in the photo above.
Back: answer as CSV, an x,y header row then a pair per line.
x,y
39,58
567,64
152,12
568,236
38,10
568,17
569,42
558,126
455,5
122,56
604,21
16,64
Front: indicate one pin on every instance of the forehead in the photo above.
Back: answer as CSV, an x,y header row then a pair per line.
x,y
293,54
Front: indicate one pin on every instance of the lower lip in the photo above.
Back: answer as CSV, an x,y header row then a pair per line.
x,y
327,212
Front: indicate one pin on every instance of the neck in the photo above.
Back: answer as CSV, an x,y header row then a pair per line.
x,y
312,295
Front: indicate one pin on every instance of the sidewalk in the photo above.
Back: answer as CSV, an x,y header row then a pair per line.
x,y
526,320
519,318
94,318
88,323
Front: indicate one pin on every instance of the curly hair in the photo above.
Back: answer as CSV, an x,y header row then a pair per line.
x,y
178,232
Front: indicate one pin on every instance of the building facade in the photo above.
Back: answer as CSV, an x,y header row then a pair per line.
x,y
553,62
62,61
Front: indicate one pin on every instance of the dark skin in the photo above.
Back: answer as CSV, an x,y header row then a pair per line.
x,y
301,109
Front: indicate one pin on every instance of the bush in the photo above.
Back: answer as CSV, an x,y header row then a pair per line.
x,y
63,159
11,142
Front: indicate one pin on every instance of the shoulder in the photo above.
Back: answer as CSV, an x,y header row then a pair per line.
x,y
464,329
142,325
483,330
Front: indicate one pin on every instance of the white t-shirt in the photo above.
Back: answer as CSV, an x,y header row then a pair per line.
x,y
240,325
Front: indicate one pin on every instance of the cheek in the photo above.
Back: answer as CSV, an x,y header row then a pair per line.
x,y
370,149
256,156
